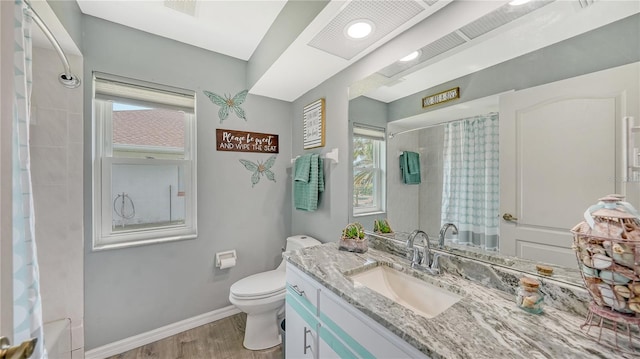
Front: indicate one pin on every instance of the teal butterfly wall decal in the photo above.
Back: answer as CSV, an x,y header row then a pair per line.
x,y
260,169
227,103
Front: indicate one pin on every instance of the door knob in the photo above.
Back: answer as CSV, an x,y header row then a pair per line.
x,y
509,217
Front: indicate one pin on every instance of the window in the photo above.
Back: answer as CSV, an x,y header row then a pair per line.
x,y
368,170
144,167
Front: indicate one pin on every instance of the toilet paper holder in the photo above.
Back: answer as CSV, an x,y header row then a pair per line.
x,y
220,256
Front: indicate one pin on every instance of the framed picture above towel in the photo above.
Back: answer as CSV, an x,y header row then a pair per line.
x,y
313,127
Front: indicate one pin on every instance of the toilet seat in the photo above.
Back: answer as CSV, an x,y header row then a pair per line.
x,y
260,285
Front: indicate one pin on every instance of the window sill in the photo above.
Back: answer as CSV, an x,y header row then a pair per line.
x,y
107,246
364,214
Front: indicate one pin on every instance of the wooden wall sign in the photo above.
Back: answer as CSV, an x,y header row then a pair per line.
x,y
313,116
243,141
441,97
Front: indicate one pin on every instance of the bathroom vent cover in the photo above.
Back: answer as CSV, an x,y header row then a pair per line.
x,y
430,51
499,17
386,15
586,3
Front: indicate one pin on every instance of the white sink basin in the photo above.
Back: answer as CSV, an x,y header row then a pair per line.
x,y
421,297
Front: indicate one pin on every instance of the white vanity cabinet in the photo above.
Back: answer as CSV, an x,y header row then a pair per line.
x,y
332,328
302,338
302,316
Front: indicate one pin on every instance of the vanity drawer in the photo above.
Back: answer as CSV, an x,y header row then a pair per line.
x,y
301,285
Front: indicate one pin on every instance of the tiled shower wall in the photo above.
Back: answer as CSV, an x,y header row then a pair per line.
x,y
402,199
431,148
56,165
412,207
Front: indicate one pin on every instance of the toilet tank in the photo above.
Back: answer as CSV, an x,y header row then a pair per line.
x,y
300,241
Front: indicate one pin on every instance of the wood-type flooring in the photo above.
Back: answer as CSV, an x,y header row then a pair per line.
x,y
221,339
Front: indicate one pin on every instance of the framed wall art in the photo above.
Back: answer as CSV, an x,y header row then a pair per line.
x,y
313,127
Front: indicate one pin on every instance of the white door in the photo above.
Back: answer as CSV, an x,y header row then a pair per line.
x,y
560,150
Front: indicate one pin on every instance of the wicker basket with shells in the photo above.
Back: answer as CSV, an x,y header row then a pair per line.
x,y
607,247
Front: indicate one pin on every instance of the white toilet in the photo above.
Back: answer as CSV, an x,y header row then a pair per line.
x,y
261,296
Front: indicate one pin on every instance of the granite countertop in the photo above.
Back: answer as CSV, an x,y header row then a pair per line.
x,y
485,323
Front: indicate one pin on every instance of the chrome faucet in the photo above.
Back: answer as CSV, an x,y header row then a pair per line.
x,y
443,231
421,261
413,253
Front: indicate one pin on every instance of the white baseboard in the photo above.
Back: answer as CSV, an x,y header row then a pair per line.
x,y
139,340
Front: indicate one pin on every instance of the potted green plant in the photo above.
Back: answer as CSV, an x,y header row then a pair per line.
x,y
382,227
353,238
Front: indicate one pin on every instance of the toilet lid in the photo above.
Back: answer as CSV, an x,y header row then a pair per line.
x,y
260,285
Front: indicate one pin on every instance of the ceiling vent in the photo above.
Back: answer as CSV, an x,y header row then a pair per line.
x,y
430,2
184,6
386,16
430,51
500,17
586,3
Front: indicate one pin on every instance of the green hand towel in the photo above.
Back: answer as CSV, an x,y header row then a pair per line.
x,y
320,176
413,160
302,167
405,164
306,190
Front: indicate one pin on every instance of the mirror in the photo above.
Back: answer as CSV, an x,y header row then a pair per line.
x,y
540,73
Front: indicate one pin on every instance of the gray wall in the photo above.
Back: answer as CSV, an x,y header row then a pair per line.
x,y
138,289
326,223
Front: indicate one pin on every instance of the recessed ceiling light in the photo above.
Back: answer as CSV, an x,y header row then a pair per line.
x,y
359,29
518,2
412,56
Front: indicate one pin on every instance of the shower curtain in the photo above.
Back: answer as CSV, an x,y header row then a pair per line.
x,y
27,306
470,197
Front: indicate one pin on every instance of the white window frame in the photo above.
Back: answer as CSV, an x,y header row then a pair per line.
x,y
106,87
379,166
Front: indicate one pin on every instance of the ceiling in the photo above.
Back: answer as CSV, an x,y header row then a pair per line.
x,y
317,48
236,28
233,28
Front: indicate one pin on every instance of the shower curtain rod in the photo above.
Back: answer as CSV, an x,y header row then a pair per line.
x,y
67,79
393,134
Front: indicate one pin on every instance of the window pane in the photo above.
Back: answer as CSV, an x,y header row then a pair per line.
x,y
143,132
147,196
363,189
364,173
